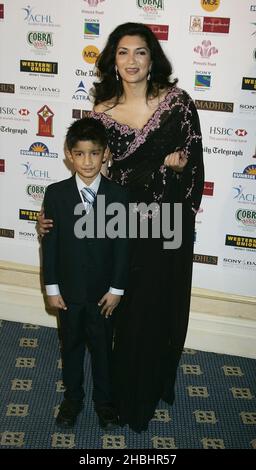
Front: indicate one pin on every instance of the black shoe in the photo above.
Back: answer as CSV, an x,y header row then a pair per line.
x,y
108,417
69,410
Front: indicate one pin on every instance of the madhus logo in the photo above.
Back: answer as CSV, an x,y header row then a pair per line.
x,y
210,5
214,106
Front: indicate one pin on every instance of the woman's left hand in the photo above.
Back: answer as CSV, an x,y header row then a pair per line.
x,y
176,161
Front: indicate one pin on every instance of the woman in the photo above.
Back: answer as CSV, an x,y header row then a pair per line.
x,y
149,121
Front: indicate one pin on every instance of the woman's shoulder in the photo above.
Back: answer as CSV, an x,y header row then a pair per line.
x,y
103,107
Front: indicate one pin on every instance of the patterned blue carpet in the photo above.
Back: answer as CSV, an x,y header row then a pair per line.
x,y
215,405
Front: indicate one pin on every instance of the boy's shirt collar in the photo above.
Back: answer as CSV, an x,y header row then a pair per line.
x,y
95,184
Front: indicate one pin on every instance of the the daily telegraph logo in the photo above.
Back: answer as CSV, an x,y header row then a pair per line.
x,y
1,11
45,121
223,151
246,217
208,188
249,83
202,80
205,259
240,242
81,93
7,233
31,216
249,173
208,24
150,6
13,130
222,106
86,73
7,88
90,54
91,28
40,40
210,5
38,149
2,165
206,49
33,66
161,31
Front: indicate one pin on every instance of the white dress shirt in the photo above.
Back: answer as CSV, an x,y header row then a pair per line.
x,y
53,289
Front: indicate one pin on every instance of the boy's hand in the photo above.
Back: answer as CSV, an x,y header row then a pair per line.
x,y
43,225
109,302
56,301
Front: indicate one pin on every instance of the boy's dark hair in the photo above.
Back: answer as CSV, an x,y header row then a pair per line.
x,y
86,128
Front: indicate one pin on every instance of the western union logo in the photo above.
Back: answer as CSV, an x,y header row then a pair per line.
x,y
28,215
38,67
240,242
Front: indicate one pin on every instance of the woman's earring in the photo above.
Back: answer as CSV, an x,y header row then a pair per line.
x,y
149,74
116,69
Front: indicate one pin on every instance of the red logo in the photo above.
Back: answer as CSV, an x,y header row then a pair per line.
x,y
161,31
241,132
208,188
1,11
208,24
2,165
24,112
45,117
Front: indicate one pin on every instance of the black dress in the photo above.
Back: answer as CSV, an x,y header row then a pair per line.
x,y
152,323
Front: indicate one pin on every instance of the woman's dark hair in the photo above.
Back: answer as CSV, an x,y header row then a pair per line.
x,y
109,87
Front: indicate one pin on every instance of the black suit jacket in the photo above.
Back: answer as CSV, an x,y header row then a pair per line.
x,y
84,268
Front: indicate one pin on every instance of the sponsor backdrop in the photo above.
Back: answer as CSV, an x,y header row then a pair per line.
x,y
48,55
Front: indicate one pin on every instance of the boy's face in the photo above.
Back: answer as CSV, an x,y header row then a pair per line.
x,y
87,158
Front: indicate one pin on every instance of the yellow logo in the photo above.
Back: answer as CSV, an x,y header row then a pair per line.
x,y
210,5
90,54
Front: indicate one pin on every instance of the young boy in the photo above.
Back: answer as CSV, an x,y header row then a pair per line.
x,y
84,277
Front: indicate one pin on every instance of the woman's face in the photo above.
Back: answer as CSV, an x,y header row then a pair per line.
x,y
133,59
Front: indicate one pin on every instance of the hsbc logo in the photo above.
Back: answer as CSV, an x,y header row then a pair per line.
x,y
24,112
227,131
241,132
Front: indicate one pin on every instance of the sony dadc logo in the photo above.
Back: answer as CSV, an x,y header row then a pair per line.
x,y
214,106
205,259
6,233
